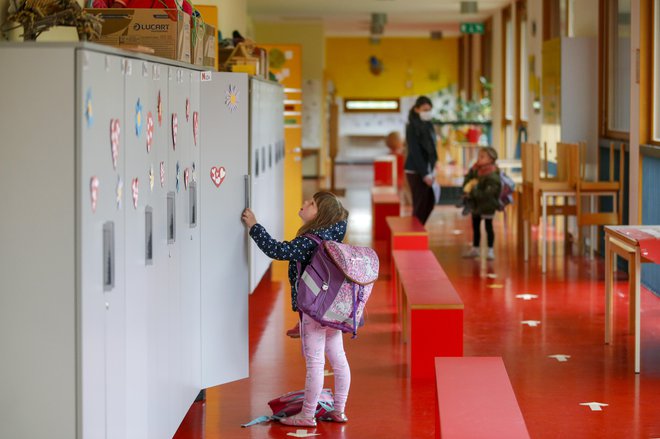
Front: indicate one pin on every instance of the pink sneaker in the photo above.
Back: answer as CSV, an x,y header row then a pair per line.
x,y
299,421
294,332
334,416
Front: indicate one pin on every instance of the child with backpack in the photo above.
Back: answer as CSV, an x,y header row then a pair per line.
x,y
325,217
481,188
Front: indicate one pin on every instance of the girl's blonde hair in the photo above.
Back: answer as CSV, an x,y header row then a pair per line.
x,y
330,211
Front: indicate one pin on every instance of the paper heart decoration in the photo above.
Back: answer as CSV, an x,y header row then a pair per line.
x,y
115,132
134,188
186,178
160,110
218,175
195,126
150,131
175,129
94,192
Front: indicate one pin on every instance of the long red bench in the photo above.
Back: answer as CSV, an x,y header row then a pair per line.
x,y
384,202
474,399
430,310
406,233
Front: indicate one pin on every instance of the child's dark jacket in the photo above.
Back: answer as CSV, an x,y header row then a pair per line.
x,y
485,195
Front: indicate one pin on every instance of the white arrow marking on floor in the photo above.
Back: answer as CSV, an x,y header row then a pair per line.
x,y
562,358
595,406
532,323
527,296
302,433
491,276
328,373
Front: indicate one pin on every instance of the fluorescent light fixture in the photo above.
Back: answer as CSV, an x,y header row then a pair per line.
x,y
372,105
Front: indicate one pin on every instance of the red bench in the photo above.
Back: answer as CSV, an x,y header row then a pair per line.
x,y
384,203
430,310
474,399
385,171
406,233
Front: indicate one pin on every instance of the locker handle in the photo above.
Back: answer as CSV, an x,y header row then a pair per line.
x,y
192,192
108,256
247,188
148,235
299,149
171,218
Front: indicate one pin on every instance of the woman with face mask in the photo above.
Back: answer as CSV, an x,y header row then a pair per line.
x,y
422,155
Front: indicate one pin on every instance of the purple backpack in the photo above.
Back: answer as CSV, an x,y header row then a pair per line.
x,y
335,286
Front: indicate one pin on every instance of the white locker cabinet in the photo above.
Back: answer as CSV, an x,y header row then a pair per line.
x,y
108,322
224,290
267,193
102,293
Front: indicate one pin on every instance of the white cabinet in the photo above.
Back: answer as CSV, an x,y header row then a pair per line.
x,y
121,293
266,173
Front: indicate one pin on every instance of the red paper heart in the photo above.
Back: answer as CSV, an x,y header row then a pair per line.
x,y
218,175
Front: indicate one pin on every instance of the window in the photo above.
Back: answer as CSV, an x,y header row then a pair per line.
x,y
522,61
509,81
656,72
616,91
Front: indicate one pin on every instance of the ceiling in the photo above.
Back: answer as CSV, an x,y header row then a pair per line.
x,y
353,17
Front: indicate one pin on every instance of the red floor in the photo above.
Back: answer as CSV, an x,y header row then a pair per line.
x,y
383,403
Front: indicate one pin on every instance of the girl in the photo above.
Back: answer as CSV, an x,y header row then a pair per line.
x,y
422,155
482,187
325,217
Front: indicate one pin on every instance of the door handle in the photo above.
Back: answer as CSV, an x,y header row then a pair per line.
x,y
247,187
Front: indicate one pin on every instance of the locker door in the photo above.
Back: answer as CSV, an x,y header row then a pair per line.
x,y
224,277
179,91
102,347
145,244
158,324
261,194
190,246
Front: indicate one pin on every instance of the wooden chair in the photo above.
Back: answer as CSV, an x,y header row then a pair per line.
x,y
591,216
534,186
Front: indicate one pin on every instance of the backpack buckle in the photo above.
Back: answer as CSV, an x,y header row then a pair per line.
x,y
325,287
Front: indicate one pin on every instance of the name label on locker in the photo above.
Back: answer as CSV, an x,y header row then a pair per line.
x,y
206,76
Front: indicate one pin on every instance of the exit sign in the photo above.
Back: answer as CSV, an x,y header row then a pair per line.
x,y
472,28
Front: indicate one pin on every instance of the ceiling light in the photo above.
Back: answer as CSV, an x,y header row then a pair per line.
x,y
469,7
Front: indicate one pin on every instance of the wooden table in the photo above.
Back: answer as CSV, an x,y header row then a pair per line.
x,y
636,244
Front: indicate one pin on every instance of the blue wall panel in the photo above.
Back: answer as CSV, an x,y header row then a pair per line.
x,y
651,215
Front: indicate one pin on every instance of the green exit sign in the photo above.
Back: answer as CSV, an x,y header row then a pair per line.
x,y
472,28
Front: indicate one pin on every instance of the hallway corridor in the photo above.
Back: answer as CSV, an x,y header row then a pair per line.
x,y
384,403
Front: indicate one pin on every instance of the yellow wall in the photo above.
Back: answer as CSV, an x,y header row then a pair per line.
x,y
404,59
308,35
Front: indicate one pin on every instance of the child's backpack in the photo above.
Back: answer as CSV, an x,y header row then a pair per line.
x,y
506,193
335,286
291,404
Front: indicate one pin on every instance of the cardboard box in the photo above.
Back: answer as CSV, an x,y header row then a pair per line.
x,y
210,46
197,34
210,16
167,31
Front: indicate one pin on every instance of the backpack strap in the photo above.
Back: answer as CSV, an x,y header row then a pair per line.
x,y
317,241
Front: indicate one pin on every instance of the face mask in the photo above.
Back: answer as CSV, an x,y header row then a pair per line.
x,y
425,116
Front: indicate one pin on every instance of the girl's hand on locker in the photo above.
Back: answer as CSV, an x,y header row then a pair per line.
x,y
248,218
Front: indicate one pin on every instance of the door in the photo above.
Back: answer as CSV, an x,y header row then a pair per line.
x,y
224,267
146,247
102,296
